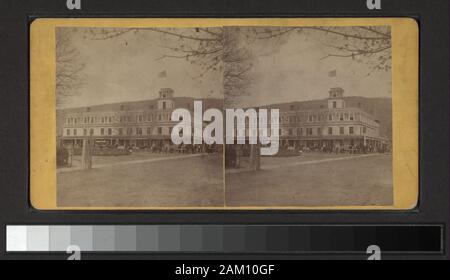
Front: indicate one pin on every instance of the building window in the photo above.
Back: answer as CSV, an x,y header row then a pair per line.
x,y
290,132
341,130
68,132
91,132
85,132
102,131
299,132
74,132
149,131
159,130
309,131
292,107
330,117
140,118
129,131
139,131
319,131
334,104
109,131
341,117
164,105
350,130
364,130
310,118
351,117
120,131
330,131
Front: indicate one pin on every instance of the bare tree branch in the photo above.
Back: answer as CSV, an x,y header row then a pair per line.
x,y
68,76
224,49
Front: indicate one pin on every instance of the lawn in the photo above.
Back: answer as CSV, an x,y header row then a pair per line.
x,y
184,182
198,181
105,160
354,181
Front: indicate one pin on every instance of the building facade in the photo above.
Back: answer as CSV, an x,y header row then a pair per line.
x,y
130,124
333,125
319,125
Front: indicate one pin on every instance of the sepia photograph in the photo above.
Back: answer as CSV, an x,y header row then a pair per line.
x,y
116,90
332,87
224,115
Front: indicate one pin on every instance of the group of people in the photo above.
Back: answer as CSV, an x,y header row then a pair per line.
x,y
170,149
337,149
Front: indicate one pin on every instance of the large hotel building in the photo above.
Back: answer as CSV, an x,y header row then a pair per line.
x,y
327,123
132,124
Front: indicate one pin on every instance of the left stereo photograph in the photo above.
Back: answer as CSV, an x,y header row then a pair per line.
x,y
224,114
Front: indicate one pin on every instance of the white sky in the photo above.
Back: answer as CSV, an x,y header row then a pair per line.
x,y
297,72
126,68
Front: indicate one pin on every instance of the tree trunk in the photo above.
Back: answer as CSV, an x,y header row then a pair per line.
x,y
258,157
86,157
255,162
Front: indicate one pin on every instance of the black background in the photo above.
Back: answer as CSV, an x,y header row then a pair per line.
x,y
16,15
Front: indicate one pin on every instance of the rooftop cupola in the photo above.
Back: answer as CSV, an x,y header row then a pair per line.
x,y
165,101
336,98
166,93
